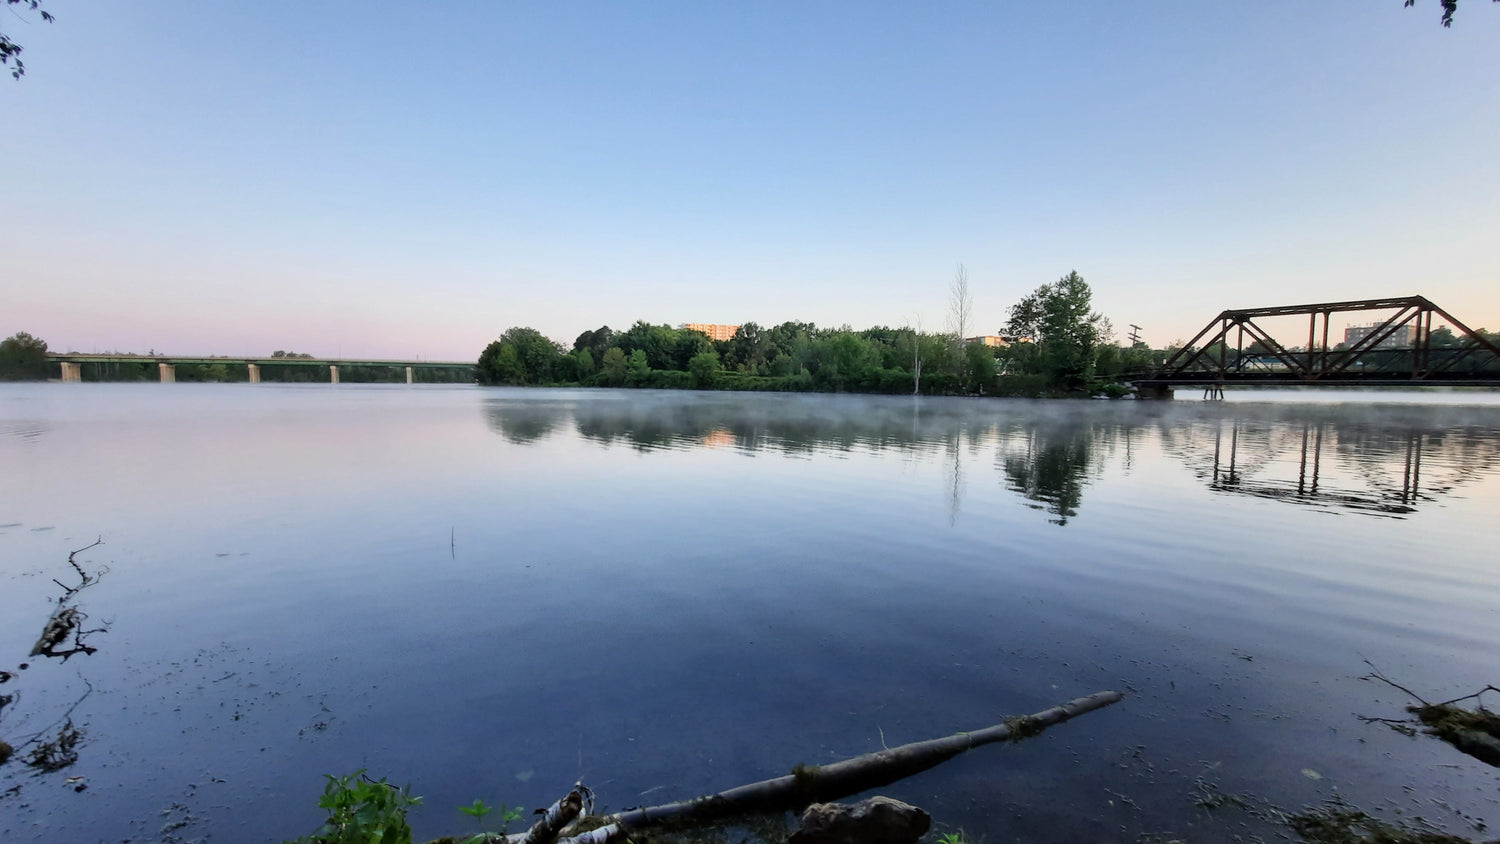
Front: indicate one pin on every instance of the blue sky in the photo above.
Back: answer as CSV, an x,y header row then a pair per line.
x,y
410,179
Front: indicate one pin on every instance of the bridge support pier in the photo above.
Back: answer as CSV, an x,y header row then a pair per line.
x,y
333,374
408,375
168,372
72,371
254,370
1154,392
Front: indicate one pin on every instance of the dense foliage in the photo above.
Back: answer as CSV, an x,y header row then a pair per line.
x,y
23,358
1062,348
793,356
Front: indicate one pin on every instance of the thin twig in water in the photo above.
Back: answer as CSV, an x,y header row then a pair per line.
x,y
1475,696
66,716
1376,675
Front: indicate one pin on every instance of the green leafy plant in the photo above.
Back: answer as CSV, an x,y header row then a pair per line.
x,y
477,811
954,838
480,809
363,811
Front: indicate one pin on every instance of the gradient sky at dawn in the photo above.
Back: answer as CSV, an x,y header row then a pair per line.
x,y
383,179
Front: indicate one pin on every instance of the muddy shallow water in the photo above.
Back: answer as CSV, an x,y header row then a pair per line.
x,y
494,593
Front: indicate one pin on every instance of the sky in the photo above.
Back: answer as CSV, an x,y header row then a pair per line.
x,y
408,180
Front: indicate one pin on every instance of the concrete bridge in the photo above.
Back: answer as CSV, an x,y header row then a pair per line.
x,y
71,365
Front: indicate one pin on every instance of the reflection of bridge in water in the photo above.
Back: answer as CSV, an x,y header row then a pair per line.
x,y
1388,460
1397,351
1374,468
1227,476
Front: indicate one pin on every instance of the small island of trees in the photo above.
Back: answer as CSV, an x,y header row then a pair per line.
x,y
1060,346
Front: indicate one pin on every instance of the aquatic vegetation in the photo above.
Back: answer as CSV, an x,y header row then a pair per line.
x,y
58,753
1343,824
1473,731
362,810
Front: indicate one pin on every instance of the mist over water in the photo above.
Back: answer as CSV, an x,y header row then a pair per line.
x,y
494,593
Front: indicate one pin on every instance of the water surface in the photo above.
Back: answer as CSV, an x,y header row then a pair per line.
x,y
493,593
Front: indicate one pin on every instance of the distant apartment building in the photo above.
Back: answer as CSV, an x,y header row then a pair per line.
x,y
713,330
992,340
1402,338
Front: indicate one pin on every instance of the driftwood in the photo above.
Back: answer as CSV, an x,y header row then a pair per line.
x,y
806,785
67,620
559,815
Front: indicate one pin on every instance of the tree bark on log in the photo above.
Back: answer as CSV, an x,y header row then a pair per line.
x,y
808,785
558,815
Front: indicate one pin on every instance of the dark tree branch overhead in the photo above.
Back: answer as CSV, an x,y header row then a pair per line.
x,y
1449,8
10,50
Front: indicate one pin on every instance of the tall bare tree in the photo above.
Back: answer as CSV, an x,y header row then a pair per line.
x,y
960,320
960,304
916,358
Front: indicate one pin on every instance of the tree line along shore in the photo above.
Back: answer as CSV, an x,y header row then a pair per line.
x,y
1055,344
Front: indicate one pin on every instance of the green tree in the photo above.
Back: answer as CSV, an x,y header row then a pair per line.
x,y
981,369
565,369
705,368
585,358
613,366
10,50
637,367
1443,337
23,358
498,364
597,342
746,350
688,345
1059,318
216,372
521,356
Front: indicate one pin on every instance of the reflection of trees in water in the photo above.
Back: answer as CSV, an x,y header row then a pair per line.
x,y
785,424
1045,459
524,422
1051,464
1377,459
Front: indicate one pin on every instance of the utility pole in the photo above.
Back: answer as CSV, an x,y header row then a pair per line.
x,y
1135,334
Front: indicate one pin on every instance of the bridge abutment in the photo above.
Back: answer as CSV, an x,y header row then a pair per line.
x,y
254,370
1154,392
168,372
408,375
72,371
333,374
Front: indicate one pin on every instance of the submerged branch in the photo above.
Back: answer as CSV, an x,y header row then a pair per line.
x,y
1475,732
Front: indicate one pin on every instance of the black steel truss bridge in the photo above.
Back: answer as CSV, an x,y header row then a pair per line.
x,y
1399,351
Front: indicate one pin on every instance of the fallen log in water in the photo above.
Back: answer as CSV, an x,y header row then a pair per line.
x,y
806,785
559,815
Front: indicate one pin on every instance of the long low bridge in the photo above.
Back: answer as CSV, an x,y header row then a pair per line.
x,y
71,364
1396,351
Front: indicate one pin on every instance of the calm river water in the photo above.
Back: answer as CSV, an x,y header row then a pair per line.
x,y
492,593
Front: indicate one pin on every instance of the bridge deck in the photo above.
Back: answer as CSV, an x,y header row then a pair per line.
x,y
59,357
